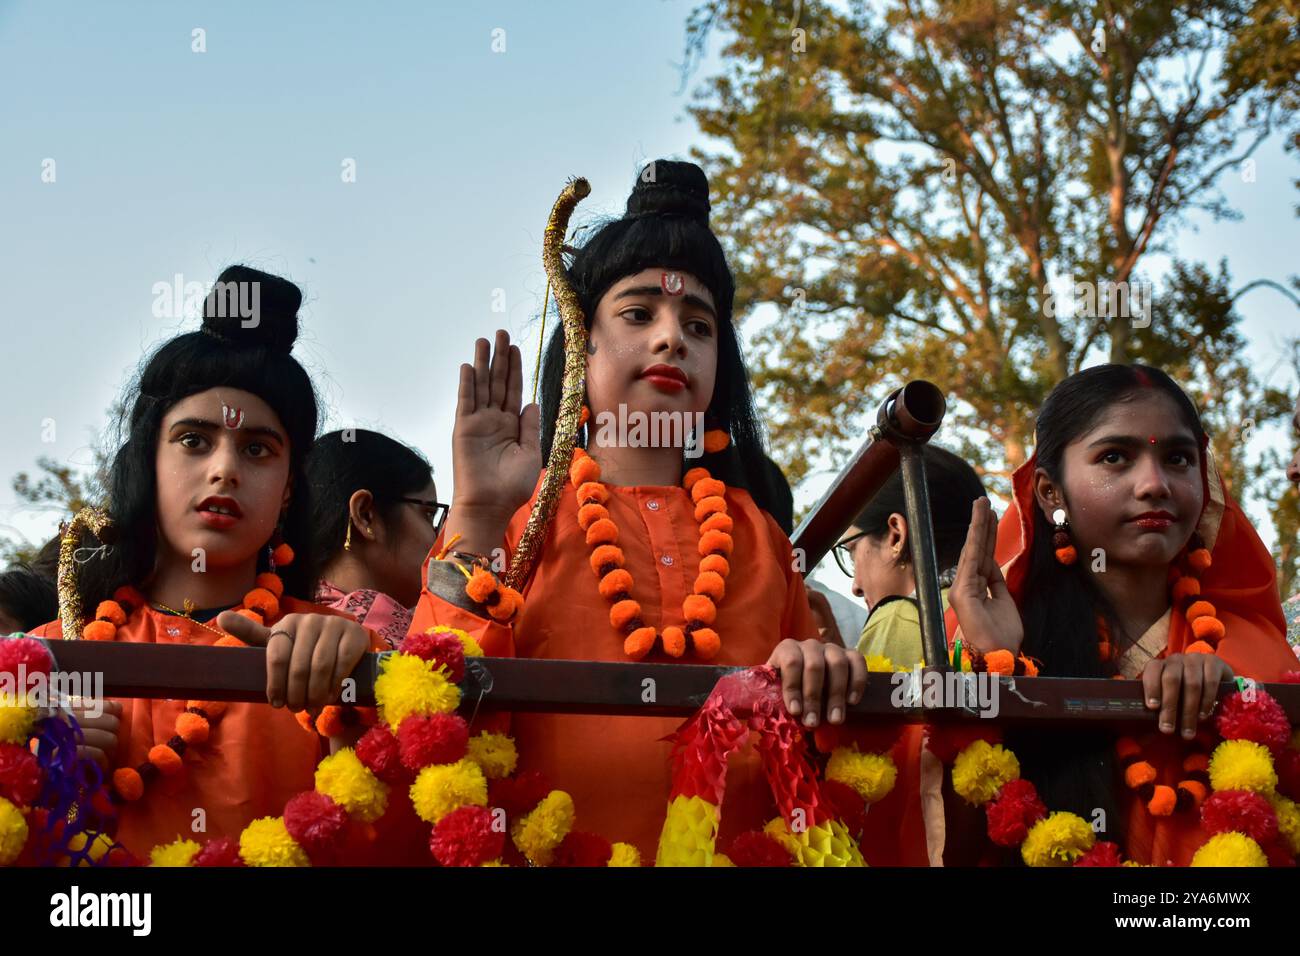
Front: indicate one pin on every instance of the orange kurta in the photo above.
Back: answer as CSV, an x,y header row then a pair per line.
x,y
256,759
616,768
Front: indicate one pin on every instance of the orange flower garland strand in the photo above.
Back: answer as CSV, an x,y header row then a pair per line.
x,y
194,724
700,608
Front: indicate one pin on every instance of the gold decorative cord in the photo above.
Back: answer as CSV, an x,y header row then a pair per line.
x,y
572,391
89,519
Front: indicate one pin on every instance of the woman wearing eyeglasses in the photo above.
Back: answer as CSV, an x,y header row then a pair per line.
x,y
375,517
876,553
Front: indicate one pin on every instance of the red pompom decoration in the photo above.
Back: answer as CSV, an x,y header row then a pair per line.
x,y
465,837
1104,853
1289,677
1262,720
431,739
20,774
315,822
518,794
441,648
579,848
381,754
1015,809
1287,765
756,848
25,652
947,742
1241,811
846,805
223,851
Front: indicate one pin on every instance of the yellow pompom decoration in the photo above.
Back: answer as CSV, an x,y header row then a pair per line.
x,y
722,860
179,852
1229,849
492,863
495,754
625,854
101,845
16,719
827,844
1058,840
266,842
880,664
981,770
407,685
444,787
348,782
1288,822
13,832
540,831
1242,765
689,834
871,776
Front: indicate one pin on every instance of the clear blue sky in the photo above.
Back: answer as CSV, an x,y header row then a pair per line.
x,y
170,161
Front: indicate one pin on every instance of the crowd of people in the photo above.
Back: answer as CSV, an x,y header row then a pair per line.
x,y
652,555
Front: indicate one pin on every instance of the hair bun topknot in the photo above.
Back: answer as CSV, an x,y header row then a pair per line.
x,y
248,308
669,187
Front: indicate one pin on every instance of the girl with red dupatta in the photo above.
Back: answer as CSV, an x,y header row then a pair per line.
x,y
1122,555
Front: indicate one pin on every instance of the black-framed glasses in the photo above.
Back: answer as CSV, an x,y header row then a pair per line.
x,y
843,552
437,511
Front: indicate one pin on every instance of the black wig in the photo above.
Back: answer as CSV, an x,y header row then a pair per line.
x,y
666,225
236,347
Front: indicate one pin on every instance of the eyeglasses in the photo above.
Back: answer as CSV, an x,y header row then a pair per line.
x,y
843,552
437,511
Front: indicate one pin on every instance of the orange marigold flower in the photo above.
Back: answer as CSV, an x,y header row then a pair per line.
x,y
710,506
165,759
712,541
707,488
710,584
697,607
1208,628
592,491
192,728
99,631
707,643
615,583
715,563
718,522
606,554
271,582
692,476
590,514
603,531
674,639
263,602
1162,801
583,470
1139,774
623,613
110,611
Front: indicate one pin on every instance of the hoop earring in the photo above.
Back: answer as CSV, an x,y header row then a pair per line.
x,y
1062,543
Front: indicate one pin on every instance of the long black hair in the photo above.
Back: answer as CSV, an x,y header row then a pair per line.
x,y
953,485
1061,603
342,463
667,225
236,347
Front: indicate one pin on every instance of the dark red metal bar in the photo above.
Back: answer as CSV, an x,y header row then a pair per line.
x,y
594,687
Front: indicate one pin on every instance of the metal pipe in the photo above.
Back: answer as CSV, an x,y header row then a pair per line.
x,y
907,415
